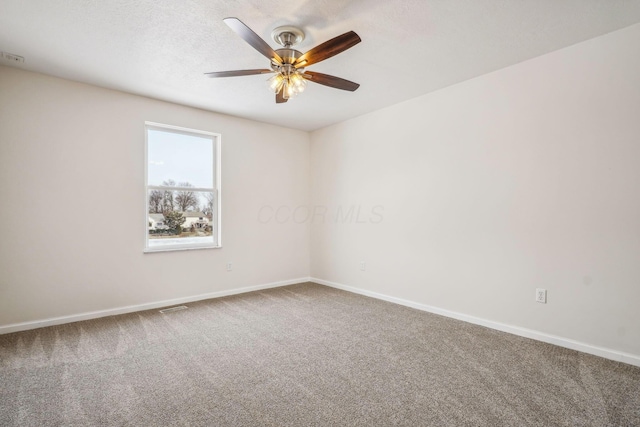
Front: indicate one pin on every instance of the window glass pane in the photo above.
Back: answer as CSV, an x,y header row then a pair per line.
x,y
176,159
186,215
170,225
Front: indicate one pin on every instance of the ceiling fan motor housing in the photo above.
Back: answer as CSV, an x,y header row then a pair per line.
x,y
288,56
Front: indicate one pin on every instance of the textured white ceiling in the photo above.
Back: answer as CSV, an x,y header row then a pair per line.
x,y
161,48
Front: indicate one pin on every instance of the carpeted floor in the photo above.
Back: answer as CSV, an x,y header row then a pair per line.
x,y
303,355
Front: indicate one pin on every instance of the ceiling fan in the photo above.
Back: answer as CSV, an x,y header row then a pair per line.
x,y
287,64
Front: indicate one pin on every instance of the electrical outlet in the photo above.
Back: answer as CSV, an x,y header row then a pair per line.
x,y
541,295
363,265
229,266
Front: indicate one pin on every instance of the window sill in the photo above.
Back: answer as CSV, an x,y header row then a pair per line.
x,y
172,249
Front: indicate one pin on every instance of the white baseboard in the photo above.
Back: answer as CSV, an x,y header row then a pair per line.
x,y
16,327
516,330
618,356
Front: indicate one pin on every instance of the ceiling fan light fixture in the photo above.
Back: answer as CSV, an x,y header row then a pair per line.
x,y
298,82
287,90
291,84
276,82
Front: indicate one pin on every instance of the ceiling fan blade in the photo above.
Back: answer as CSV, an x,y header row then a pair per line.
x,y
328,49
238,73
280,97
252,38
331,81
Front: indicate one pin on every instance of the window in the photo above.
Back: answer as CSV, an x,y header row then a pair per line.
x,y
182,188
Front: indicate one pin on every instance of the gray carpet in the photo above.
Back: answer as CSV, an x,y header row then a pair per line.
x,y
303,355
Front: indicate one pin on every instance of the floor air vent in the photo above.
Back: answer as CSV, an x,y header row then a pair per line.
x,y
172,309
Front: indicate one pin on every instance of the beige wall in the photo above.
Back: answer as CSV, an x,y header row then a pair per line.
x,y
71,151
520,179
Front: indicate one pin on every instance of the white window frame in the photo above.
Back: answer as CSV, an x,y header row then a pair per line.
x,y
217,209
